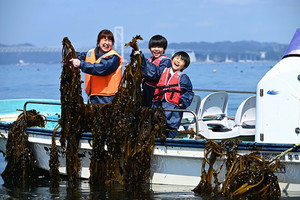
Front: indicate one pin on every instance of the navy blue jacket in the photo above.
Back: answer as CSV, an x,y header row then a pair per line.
x,y
148,91
187,95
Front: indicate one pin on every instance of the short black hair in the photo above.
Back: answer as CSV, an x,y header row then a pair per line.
x,y
158,41
184,56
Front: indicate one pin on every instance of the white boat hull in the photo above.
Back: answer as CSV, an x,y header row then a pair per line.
x,y
172,165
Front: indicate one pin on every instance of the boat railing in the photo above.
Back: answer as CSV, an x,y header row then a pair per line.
x,y
37,102
228,91
189,111
195,117
172,110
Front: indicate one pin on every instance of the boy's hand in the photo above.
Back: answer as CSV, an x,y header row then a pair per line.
x,y
138,52
135,52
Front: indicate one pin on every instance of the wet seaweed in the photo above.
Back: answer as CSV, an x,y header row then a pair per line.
x,y
247,176
72,106
128,130
123,131
54,159
20,167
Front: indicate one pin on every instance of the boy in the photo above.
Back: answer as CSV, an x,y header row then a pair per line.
x,y
174,89
157,46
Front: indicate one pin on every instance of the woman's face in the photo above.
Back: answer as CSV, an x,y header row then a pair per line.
x,y
157,51
105,44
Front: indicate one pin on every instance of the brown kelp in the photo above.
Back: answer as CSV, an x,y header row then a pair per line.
x,y
72,109
247,176
128,130
54,159
19,157
123,131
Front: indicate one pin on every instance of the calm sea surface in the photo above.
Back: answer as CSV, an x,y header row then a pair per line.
x,y
42,81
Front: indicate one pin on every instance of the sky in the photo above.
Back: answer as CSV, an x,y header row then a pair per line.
x,y
44,23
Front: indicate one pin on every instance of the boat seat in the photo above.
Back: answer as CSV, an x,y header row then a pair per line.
x,y
213,111
188,119
245,114
244,123
195,107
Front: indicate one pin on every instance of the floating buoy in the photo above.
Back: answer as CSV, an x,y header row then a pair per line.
x,y
214,70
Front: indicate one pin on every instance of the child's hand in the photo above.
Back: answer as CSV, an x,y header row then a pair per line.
x,y
138,52
135,52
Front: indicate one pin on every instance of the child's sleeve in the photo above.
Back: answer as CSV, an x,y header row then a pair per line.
x,y
186,91
150,71
165,63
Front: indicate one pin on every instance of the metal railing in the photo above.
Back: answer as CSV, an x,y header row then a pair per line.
x,y
171,110
37,102
228,91
184,110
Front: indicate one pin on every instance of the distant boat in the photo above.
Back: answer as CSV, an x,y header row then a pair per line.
x,y
192,56
21,62
208,60
227,60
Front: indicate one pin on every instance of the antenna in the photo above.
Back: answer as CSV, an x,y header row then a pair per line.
x,y
119,40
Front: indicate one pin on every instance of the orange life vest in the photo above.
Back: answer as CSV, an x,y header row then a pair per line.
x,y
102,85
168,89
156,62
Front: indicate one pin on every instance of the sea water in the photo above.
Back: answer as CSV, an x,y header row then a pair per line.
x,y
42,82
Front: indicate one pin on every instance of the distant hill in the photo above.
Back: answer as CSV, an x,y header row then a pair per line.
x,y
225,51
19,54
234,51
17,45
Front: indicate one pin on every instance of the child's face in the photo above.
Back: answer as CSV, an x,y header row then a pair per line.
x,y
177,63
157,51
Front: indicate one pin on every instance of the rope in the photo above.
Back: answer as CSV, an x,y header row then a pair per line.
x,y
286,151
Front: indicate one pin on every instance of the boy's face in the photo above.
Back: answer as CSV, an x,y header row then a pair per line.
x,y
157,51
177,63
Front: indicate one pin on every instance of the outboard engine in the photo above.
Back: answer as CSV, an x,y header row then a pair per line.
x,y
278,99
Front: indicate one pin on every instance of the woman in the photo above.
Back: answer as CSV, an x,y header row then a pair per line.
x,y
103,69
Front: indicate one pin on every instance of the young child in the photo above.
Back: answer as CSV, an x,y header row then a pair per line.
x,y
157,45
174,89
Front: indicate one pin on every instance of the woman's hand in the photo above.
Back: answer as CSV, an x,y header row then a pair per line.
x,y
75,62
